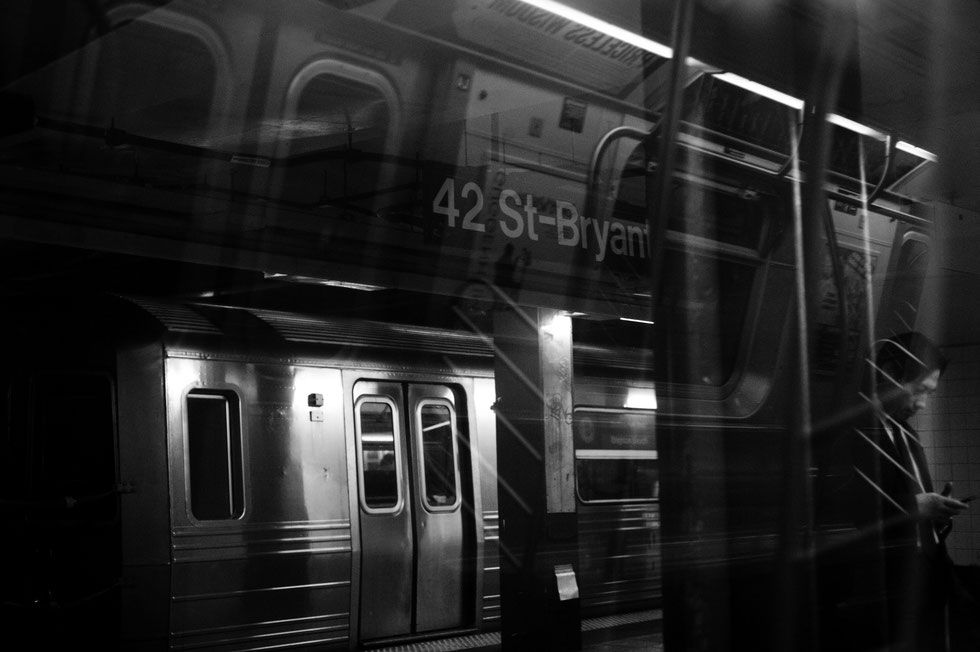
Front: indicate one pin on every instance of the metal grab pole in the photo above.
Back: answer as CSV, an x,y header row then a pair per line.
x,y
658,192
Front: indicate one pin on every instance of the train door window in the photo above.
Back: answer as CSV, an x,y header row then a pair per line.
x,y
214,452
440,470
615,456
378,455
74,442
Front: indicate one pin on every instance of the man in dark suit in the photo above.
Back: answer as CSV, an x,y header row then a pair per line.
x,y
904,572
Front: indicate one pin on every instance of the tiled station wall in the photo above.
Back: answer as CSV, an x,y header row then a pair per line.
x,y
949,429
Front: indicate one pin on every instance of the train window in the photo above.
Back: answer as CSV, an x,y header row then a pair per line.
x,y
703,303
340,108
736,213
165,78
701,312
377,443
906,286
74,443
615,456
437,428
214,452
720,219
332,106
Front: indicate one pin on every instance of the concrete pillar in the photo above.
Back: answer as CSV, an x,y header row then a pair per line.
x,y
536,481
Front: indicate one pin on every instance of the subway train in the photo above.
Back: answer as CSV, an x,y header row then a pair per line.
x,y
197,455
207,476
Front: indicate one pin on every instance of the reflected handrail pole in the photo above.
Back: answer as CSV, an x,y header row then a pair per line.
x,y
800,621
658,188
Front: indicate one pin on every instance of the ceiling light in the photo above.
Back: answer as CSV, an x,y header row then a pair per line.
x,y
600,25
760,89
916,151
310,280
856,127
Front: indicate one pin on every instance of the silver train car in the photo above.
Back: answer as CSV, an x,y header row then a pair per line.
x,y
206,477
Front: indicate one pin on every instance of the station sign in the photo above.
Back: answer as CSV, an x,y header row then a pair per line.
x,y
525,231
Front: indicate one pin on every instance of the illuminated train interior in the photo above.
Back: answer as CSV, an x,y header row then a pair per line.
x,y
484,324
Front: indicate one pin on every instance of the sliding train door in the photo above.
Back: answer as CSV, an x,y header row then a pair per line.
x,y
414,531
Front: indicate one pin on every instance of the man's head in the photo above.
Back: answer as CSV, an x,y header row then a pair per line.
x,y
908,368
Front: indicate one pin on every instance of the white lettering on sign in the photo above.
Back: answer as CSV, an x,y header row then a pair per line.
x,y
518,216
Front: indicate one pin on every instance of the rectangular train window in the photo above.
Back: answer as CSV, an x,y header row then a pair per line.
x,y
437,428
378,449
214,453
615,455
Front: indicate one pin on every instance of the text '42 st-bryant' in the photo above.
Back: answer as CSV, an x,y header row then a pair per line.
x,y
518,217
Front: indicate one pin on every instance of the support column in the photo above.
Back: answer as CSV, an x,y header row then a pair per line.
x,y
536,481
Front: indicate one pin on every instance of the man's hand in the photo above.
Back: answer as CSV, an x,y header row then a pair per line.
x,y
935,507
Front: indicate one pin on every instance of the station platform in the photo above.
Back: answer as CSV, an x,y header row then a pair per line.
x,y
632,632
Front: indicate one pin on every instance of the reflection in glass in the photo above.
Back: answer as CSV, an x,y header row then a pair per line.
x,y
214,455
378,460
439,455
617,479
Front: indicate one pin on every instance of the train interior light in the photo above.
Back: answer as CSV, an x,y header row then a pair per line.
x,y
917,151
603,26
641,398
760,89
856,127
337,283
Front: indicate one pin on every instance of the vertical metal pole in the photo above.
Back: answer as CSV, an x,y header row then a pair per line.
x,y
799,630
658,188
795,559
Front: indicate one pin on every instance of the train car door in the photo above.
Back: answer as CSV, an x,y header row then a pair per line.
x,y
412,523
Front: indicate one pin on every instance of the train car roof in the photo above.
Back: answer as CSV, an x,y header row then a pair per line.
x,y
193,327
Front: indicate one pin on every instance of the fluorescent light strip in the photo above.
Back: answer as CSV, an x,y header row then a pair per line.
x,y
916,151
587,20
759,89
666,52
856,127
638,321
309,280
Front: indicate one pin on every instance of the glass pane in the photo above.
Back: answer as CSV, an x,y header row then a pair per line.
x,y
378,455
616,455
332,111
213,450
617,479
619,431
439,455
